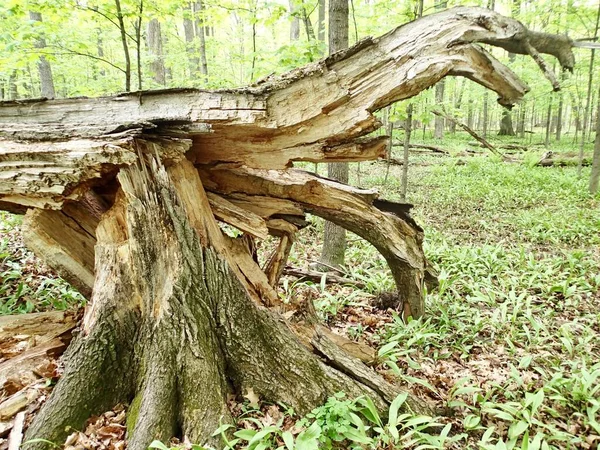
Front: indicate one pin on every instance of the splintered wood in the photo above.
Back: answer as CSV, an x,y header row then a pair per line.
x,y
59,154
29,347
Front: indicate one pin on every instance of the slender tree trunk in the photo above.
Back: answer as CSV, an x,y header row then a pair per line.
x,y
407,132
470,112
321,19
155,47
100,50
485,114
44,69
200,29
595,175
124,44
13,92
138,43
559,112
334,239
308,27
460,85
295,22
521,124
190,41
548,123
586,111
439,87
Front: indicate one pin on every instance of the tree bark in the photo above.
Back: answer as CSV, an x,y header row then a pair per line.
x,y
123,32
506,127
595,175
321,20
169,311
334,237
200,31
44,69
155,46
190,41
295,22
586,111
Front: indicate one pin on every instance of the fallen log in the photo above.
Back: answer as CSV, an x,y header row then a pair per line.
x,y
562,162
469,130
126,193
317,277
433,148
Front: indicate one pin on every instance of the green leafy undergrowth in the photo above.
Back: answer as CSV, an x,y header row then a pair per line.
x,y
26,285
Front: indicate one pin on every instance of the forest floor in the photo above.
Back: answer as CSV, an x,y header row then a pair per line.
x,y
509,345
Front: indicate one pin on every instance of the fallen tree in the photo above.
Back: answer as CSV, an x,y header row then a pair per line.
x,y
124,196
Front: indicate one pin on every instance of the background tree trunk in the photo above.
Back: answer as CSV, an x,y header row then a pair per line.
x,y
123,32
295,22
439,87
321,20
334,237
190,41
595,175
586,111
155,47
200,31
506,126
44,69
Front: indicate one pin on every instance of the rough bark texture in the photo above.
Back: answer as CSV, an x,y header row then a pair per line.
x,y
125,192
334,237
155,47
506,126
44,69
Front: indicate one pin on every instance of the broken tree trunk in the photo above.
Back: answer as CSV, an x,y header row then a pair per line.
x,y
125,195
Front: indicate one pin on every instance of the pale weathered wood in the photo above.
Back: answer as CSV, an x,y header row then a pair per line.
x,y
64,244
394,233
240,218
45,325
16,435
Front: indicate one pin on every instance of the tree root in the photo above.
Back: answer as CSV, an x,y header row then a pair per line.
x,y
173,331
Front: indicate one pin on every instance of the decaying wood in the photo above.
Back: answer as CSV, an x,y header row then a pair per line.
x,y
317,277
550,159
433,148
396,236
125,194
45,326
479,138
16,435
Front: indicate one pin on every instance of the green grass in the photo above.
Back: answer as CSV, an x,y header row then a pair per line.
x,y
511,338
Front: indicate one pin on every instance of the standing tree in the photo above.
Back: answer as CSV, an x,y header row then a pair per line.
x,y
155,47
438,132
334,237
124,195
44,69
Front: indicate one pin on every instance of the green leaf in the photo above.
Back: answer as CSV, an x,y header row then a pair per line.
x,y
517,428
471,421
307,440
369,410
395,407
158,445
246,435
222,428
288,440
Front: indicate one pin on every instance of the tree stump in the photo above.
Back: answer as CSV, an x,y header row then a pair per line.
x,y
124,196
